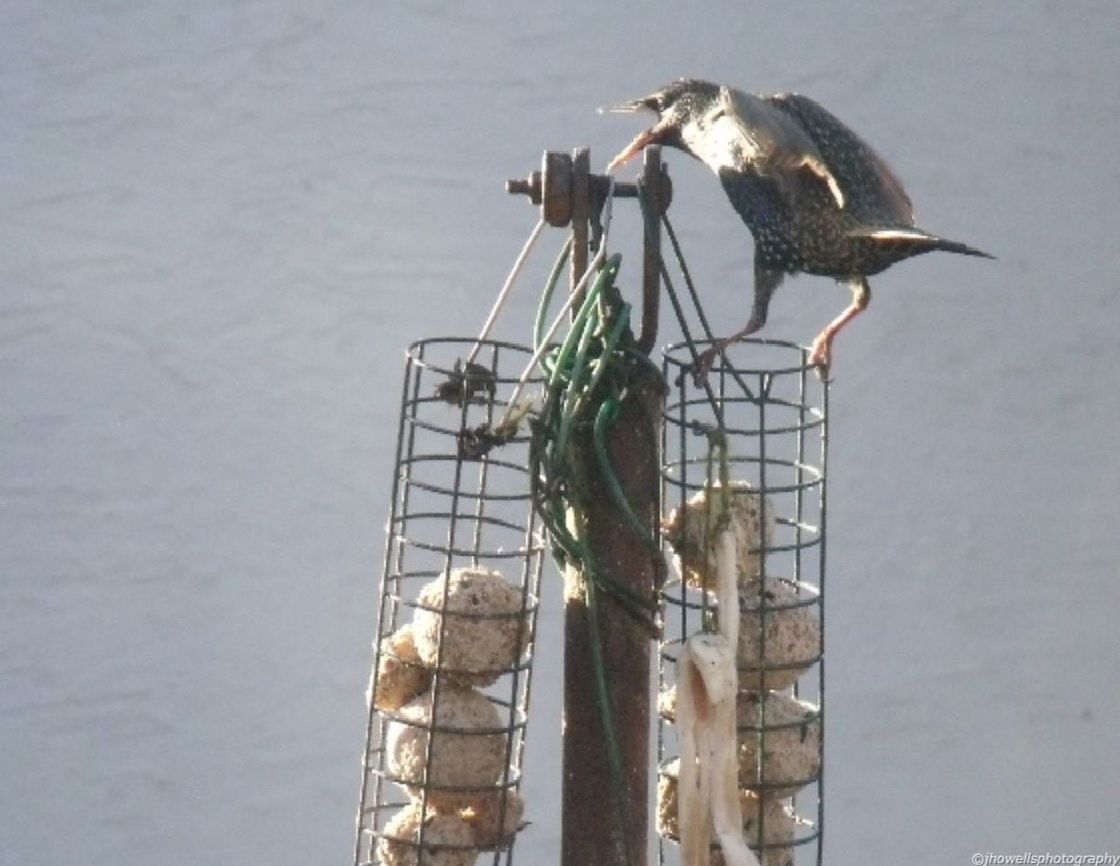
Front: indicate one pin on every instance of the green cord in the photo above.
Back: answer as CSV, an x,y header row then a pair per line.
x,y
604,420
606,719
605,361
571,411
588,376
539,324
568,405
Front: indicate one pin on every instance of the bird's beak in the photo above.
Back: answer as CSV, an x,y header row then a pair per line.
x,y
645,104
650,136
633,148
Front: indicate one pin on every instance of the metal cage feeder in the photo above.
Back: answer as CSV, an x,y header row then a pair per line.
x,y
451,508
457,503
772,410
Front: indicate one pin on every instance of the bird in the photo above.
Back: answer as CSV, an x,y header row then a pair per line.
x,y
815,196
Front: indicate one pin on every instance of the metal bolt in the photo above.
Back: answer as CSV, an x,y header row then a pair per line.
x,y
530,186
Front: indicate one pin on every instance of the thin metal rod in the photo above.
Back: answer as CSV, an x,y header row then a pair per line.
x,y
652,182
581,209
500,301
820,587
363,794
590,268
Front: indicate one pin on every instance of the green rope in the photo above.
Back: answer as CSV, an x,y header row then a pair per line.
x,y
541,322
604,419
606,719
605,362
572,393
588,376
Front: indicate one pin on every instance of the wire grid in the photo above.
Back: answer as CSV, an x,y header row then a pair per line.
x,y
773,410
449,511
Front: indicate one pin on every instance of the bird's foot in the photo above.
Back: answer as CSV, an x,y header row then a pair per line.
x,y
820,356
703,365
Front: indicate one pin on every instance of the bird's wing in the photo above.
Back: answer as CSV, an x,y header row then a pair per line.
x,y
770,142
875,193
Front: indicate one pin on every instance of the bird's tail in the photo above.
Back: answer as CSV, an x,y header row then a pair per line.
x,y
916,240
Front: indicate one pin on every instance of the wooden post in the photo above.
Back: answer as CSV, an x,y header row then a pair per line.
x,y
595,831
593,827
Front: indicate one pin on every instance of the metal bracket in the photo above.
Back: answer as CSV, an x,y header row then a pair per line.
x,y
654,184
569,194
551,187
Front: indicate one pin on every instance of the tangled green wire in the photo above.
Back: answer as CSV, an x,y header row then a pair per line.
x,y
588,377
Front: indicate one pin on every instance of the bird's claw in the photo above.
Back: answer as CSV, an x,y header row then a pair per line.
x,y
820,357
702,367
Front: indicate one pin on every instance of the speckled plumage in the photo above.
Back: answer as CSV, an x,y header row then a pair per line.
x,y
816,198
798,225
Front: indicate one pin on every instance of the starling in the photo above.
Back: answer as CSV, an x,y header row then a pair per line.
x,y
816,198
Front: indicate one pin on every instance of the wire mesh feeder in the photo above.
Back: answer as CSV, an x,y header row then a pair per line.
x,y
449,689
773,413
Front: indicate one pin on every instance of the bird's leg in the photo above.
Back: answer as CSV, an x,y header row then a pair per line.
x,y
821,355
707,357
765,282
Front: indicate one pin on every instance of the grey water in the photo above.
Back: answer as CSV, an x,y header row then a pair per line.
x,y
222,222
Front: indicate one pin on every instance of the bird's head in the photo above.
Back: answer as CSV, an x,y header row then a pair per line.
x,y
676,104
